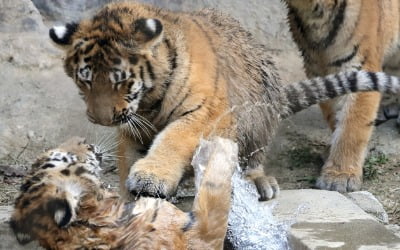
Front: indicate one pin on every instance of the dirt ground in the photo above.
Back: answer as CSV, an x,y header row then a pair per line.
x,y
295,161
298,159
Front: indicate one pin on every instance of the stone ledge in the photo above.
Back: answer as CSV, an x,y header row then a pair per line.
x,y
328,220
320,220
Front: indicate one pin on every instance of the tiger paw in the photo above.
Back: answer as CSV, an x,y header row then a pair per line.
x,y
149,180
267,187
342,181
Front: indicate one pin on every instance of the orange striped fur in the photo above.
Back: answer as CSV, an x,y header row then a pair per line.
x,y
342,35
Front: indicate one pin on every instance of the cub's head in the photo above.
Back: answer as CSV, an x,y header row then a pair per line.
x,y
118,59
62,180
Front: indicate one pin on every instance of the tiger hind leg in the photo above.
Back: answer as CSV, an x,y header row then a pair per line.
x,y
214,164
343,169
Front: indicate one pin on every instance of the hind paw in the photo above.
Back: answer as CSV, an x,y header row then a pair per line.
x,y
342,181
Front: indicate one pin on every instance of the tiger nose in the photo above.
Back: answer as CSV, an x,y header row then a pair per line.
x,y
101,116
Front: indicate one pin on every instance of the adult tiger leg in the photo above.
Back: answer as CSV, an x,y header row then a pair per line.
x,y
343,169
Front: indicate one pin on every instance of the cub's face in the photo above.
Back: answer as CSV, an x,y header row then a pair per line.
x,y
115,61
62,180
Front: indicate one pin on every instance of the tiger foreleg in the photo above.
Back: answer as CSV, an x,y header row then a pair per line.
x,y
159,173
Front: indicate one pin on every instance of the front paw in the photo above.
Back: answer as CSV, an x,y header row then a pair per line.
x,y
148,179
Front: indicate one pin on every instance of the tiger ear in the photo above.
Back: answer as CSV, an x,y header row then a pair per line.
x,y
62,35
61,211
147,32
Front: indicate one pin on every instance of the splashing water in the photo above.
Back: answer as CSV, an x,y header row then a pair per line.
x,y
251,223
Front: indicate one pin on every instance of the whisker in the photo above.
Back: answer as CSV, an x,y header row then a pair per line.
x,y
142,126
147,122
132,122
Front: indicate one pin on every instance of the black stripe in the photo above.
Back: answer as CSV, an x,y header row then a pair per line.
x,y
353,82
142,74
292,97
177,106
372,76
88,48
35,188
297,20
171,53
308,93
78,45
330,88
194,109
116,18
150,70
337,22
342,89
190,223
133,75
154,216
174,64
346,59
316,89
80,170
389,83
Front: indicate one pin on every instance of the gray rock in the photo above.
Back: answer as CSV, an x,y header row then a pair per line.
x,y
19,16
8,239
67,10
325,220
367,202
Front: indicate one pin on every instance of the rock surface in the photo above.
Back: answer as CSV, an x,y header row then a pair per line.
x,y
367,202
316,220
328,220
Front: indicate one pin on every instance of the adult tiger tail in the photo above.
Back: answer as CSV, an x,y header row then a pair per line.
x,y
343,35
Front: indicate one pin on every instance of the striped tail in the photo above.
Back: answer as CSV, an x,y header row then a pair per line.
x,y
303,94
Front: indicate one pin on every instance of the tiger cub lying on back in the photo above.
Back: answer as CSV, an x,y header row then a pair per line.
x,y
189,75
63,205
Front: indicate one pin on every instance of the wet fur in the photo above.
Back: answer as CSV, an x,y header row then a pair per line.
x,y
66,207
191,75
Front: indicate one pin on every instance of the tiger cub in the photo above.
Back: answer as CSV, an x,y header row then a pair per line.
x,y
63,205
339,35
166,79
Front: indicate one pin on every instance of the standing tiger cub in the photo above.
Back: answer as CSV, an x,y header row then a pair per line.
x,y
180,77
339,35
